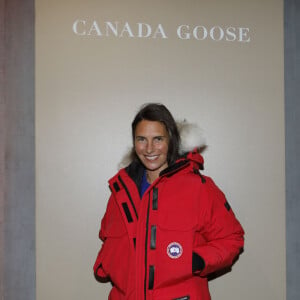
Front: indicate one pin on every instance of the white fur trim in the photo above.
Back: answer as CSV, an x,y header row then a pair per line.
x,y
191,136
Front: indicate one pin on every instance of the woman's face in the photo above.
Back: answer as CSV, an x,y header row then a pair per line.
x,y
151,146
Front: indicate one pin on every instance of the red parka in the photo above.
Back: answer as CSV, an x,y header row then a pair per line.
x,y
162,246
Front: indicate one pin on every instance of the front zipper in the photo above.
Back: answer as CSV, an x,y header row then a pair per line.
x,y
146,249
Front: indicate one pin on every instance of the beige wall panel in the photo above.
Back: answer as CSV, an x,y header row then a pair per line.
x,y
89,87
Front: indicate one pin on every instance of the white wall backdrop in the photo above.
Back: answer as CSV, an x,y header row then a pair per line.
x,y
91,81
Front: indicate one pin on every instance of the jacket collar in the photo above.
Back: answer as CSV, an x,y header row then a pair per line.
x,y
136,170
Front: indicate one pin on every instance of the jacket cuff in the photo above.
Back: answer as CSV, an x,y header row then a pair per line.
x,y
198,263
100,274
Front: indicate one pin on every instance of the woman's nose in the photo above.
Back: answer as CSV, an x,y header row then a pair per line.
x,y
149,148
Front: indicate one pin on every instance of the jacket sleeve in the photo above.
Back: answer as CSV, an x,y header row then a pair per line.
x,y
99,272
220,238
111,226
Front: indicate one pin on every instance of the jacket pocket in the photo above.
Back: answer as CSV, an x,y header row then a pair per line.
x,y
115,253
115,257
174,254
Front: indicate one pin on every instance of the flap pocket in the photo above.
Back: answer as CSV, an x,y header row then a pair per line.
x,y
112,223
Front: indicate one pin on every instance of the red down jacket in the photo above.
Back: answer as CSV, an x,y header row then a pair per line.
x,y
163,246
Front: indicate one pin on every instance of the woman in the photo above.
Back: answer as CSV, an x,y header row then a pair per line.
x,y
167,226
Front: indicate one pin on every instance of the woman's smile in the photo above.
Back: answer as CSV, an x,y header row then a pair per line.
x,y
151,146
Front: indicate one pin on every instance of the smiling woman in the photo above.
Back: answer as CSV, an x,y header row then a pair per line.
x,y
173,224
151,146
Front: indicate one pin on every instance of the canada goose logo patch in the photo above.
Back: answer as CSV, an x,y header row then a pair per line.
x,y
174,250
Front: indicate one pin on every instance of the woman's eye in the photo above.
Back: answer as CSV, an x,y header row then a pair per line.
x,y
140,139
158,138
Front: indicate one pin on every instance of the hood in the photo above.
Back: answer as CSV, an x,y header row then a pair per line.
x,y
191,137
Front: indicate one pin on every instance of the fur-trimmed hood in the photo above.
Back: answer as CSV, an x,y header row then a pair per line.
x,y
191,137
